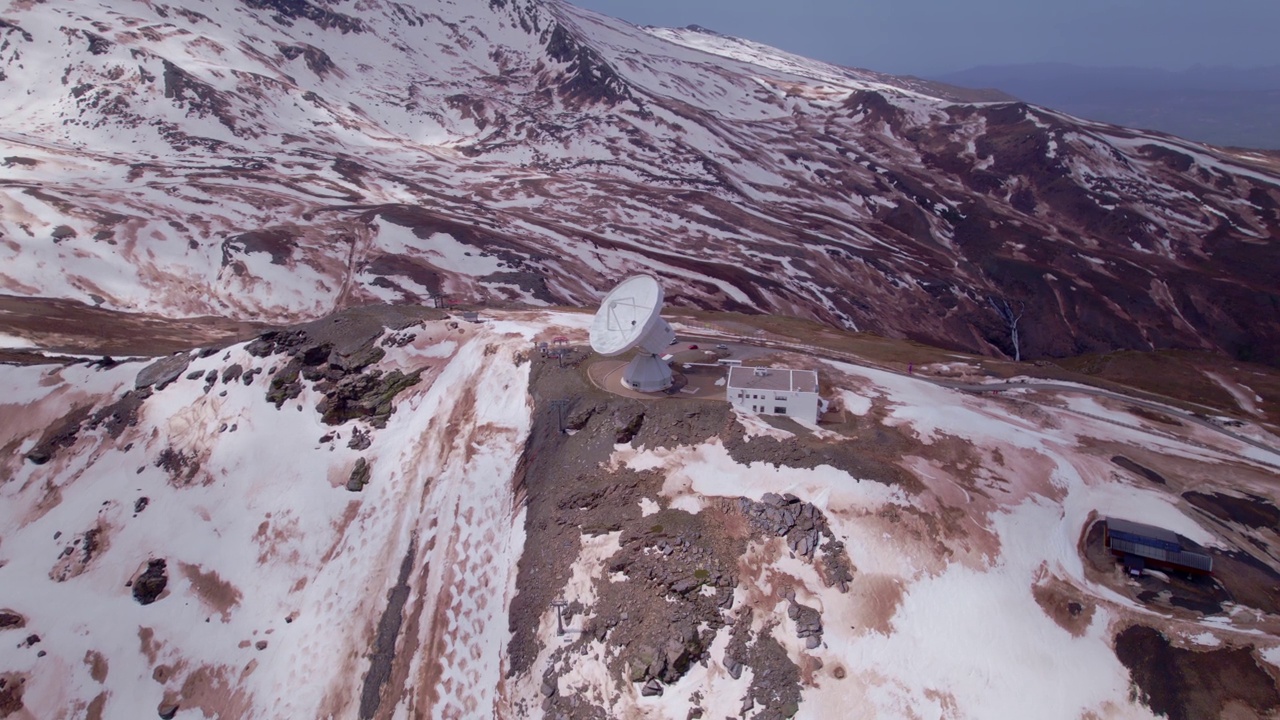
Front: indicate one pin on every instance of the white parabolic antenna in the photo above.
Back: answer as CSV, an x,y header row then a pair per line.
x,y
629,318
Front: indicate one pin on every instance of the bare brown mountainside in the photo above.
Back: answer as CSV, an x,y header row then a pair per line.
x,y
271,160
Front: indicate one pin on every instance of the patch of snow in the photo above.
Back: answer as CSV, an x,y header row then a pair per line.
x,y
855,403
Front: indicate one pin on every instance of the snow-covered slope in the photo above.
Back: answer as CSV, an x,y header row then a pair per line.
x,y
940,560
276,160
278,577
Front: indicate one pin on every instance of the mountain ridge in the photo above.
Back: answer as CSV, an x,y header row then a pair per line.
x,y
306,165
1221,106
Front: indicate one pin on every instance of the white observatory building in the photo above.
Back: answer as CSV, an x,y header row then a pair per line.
x,y
629,318
774,391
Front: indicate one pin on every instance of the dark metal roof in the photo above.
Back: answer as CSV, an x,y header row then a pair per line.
x,y
1178,557
1153,543
1149,531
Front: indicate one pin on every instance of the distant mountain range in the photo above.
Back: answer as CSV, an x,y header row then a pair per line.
x,y
1222,106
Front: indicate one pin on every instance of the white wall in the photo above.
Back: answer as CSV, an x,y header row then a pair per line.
x,y
799,405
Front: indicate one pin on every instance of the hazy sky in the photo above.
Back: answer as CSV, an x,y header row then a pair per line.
x,y
939,36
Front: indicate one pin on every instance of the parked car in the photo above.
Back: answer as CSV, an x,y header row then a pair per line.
x,y
693,347
722,346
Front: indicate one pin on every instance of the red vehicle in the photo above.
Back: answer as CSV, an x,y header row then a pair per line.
x,y
693,347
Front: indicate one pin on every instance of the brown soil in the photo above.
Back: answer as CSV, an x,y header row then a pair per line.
x,y
1176,375
1247,580
148,644
1139,470
97,665
215,690
877,598
96,707
1251,511
30,357
217,594
1183,684
74,327
1179,374
11,689
1153,416
1066,605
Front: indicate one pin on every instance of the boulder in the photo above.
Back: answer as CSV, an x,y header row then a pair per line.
x,y
163,371
651,688
683,587
359,476
232,372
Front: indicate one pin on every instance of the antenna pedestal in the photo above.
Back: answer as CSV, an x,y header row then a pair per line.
x,y
647,373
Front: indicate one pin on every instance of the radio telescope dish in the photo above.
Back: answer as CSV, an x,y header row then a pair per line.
x,y
629,318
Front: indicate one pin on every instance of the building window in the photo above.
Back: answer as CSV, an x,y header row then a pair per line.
x,y
780,410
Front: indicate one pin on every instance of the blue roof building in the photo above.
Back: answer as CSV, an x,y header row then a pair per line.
x,y
1146,545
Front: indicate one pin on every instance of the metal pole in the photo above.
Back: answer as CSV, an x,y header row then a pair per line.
x,y
560,406
559,606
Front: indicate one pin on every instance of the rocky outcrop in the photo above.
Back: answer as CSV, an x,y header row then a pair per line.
x,y
12,620
77,555
808,621
627,422
151,583
338,354
775,687
359,476
360,439
59,435
122,413
367,396
806,530
664,617
163,371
